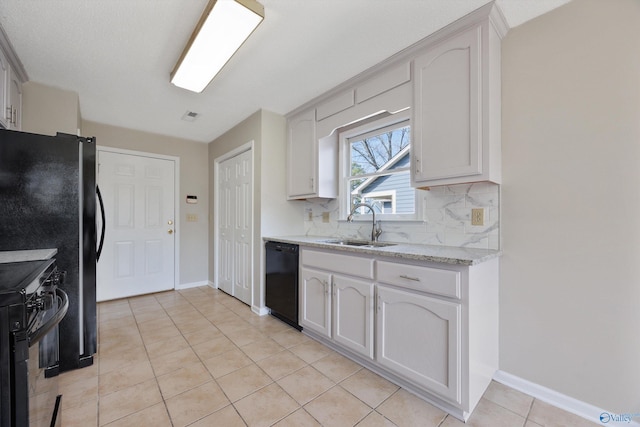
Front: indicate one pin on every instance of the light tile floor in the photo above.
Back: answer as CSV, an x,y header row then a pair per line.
x,y
199,357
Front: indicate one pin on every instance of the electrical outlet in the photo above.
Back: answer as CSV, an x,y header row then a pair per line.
x,y
325,216
477,216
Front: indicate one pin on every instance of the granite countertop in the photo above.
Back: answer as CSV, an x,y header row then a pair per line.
x,y
27,255
411,251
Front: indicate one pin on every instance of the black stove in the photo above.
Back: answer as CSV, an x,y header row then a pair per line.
x,y
31,306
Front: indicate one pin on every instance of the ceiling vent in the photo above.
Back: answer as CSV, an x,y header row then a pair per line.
x,y
190,116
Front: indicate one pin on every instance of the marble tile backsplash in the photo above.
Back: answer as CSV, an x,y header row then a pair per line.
x,y
446,219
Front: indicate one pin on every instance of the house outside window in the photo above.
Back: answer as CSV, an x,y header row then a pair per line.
x,y
376,159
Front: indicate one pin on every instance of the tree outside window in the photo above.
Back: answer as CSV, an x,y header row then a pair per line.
x,y
379,172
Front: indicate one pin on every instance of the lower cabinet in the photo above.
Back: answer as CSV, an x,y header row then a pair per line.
x,y
315,300
353,313
419,338
337,306
431,328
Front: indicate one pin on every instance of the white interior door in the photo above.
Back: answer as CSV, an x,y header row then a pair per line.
x,y
138,256
243,228
235,226
226,215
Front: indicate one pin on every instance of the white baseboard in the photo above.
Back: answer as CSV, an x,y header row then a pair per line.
x,y
212,285
191,285
260,311
585,410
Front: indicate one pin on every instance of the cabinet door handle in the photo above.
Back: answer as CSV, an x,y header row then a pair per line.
x,y
14,116
417,165
311,183
415,279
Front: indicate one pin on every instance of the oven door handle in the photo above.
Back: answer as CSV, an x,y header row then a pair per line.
x,y
63,306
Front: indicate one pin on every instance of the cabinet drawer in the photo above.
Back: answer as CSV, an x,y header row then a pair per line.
x,y
338,263
433,280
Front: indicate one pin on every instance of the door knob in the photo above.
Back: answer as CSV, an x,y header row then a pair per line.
x,y
170,222
170,231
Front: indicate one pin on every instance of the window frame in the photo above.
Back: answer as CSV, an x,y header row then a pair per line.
x,y
400,119
390,193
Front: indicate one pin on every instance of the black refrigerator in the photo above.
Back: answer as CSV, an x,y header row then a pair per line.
x,y
48,200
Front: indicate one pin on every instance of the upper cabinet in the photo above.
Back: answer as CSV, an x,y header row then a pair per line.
x,y
4,78
301,130
456,108
11,77
450,81
312,162
14,101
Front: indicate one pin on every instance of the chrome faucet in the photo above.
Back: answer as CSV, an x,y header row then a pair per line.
x,y
376,229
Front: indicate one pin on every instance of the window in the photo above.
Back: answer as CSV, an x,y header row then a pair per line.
x,y
376,159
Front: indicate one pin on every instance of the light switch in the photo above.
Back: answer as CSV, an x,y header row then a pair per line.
x,y
192,218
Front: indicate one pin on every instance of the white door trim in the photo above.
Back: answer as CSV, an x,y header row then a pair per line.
x,y
249,146
176,183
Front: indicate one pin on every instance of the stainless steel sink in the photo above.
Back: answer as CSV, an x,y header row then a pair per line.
x,y
359,243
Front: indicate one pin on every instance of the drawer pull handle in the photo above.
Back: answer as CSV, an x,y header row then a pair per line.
x,y
404,276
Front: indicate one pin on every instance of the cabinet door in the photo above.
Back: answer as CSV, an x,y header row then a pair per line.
x,y
418,337
315,300
302,155
353,314
447,128
5,111
15,101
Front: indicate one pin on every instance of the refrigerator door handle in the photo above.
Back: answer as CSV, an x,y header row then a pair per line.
x,y
104,225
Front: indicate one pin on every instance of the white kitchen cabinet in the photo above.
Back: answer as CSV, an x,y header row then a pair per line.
x,y
437,328
456,109
336,298
10,95
353,314
418,337
311,162
14,101
11,77
301,157
429,327
5,111
315,300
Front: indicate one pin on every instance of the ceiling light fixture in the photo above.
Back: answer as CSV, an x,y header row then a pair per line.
x,y
222,29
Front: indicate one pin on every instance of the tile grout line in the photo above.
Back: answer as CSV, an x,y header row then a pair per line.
x,y
146,350
213,379
232,403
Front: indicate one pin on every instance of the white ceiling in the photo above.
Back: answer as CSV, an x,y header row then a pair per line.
x,y
117,54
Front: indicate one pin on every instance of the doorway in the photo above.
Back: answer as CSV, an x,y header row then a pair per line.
x,y
234,226
139,250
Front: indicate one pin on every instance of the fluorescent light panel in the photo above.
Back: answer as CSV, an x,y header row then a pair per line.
x,y
223,27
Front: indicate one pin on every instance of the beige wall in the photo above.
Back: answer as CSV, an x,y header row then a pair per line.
x,y
48,110
570,285
193,236
273,214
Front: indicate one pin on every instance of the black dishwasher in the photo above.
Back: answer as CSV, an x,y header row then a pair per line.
x,y
282,281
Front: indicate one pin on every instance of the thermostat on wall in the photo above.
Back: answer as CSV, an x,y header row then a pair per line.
x,y
192,199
